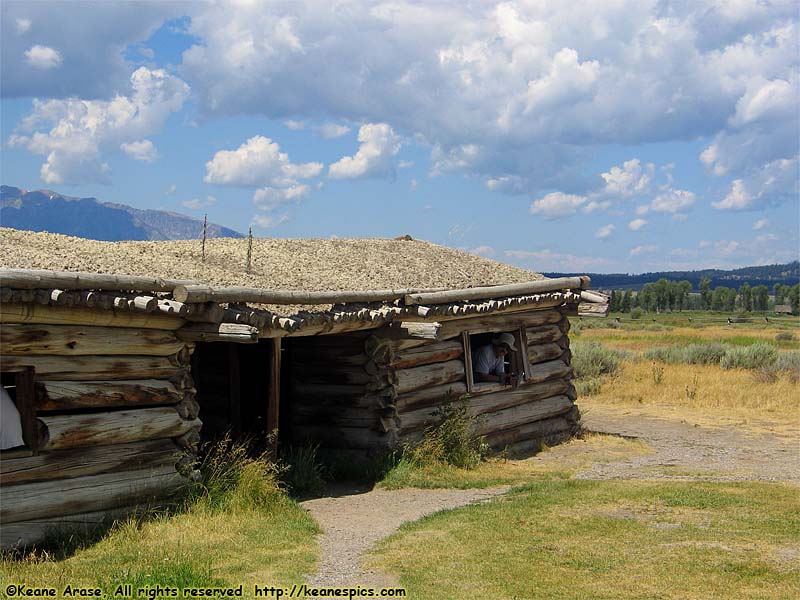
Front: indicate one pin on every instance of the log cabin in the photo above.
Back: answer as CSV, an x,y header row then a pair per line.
x,y
121,357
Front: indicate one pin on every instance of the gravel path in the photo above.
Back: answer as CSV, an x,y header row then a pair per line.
x,y
353,520
730,453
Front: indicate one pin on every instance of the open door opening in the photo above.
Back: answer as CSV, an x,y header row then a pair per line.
x,y
236,386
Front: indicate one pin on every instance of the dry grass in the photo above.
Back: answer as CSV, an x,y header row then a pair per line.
x,y
640,340
701,388
297,264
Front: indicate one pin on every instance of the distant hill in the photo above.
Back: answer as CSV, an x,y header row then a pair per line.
x,y
769,275
45,210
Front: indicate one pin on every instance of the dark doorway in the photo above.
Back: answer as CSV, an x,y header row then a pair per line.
x,y
233,383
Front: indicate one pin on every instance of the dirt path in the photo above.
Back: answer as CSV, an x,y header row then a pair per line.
x,y
353,520
727,451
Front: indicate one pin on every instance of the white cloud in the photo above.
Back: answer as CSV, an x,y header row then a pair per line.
x,y
333,130
295,125
413,184
268,221
642,249
629,180
405,164
547,260
604,232
760,224
509,184
378,144
257,162
595,205
43,57
771,184
198,204
673,201
642,210
148,53
767,237
269,198
486,251
523,80
636,224
172,189
557,205
73,133
143,150
23,25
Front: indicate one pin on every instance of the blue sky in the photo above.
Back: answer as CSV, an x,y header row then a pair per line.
x,y
622,137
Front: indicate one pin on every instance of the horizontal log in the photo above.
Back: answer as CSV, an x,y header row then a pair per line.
x,y
410,420
72,341
586,309
424,355
492,323
594,297
338,375
222,332
86,494
190,440
119,427
552,369
67,315
343,437
326,391
405,330
203,293
408,380
529,447
529,431
521,414
78,462
27,533
498,291
74,280
543,352
544,334
188,408
430,396
70,395
94,368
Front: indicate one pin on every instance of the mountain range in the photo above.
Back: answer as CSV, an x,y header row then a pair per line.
x,y
45,210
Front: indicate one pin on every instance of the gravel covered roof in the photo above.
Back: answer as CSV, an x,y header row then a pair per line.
x,y
292,264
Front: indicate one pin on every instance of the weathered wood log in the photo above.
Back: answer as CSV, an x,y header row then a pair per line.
x,y
404,330
527,448
408,380
379,348
425,355
344,437
327,391
594,297
484,324
543,352
67,464
70,395
420,418
203,293
430,396
119,427
74,280
188,408
27,533
222,332
96,368
552,369
65,315
588,309
544,334
564,325
498,291
521,414
86,494
191,439
67,340
528,431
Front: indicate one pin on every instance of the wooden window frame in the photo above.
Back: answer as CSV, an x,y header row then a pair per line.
x,y
519,359
24,399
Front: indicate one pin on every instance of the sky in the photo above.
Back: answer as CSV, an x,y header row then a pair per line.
x,y
609,136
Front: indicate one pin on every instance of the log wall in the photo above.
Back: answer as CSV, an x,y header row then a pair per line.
x,y
378,390
115,413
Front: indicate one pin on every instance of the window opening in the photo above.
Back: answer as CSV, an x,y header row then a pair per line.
x,y
19,433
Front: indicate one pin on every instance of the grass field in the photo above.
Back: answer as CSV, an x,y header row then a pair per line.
x,y
606,539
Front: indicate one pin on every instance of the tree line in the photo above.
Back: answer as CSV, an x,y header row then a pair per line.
x,y
666,295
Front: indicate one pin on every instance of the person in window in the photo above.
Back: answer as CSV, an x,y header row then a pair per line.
x,y
488,363
10,422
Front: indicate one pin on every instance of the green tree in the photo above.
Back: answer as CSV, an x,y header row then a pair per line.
x,y
626,301
684,290
760,298
746,297
705,293
794,299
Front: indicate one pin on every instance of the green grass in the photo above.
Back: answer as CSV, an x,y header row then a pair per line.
x,y
606,539
237,526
